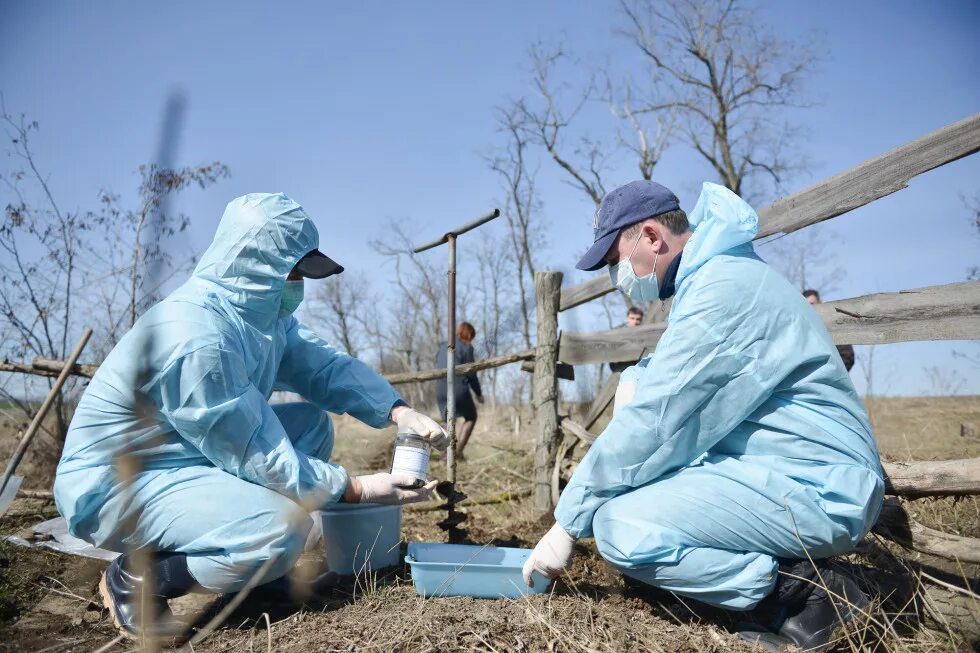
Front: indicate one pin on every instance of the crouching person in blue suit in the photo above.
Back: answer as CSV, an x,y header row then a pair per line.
x,y
174,450
739,457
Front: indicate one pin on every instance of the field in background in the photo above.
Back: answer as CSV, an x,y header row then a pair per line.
x,y
48,600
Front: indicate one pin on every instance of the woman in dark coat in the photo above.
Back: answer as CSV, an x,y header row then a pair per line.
x,y
465,383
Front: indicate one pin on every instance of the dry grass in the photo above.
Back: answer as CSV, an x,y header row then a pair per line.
x,y
592,609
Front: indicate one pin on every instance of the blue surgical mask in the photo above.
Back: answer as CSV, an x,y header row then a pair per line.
x,y
638,289
292,297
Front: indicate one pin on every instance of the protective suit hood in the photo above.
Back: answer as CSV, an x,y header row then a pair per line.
x,y
720,221
259,240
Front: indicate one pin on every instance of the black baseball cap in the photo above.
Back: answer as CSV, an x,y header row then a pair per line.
x,y
317,265
625,206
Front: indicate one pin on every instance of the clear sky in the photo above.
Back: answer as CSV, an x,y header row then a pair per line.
x,y
369,111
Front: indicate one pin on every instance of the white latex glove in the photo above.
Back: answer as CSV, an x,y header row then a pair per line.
x,y
393,489
428,428
551,555
625,392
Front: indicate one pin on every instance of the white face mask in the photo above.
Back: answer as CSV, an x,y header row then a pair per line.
x,y
638,289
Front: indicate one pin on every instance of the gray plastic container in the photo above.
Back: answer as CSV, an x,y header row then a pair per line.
x,y
360,537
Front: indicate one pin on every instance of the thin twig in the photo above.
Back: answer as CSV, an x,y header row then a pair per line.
x,y
109,645
230,607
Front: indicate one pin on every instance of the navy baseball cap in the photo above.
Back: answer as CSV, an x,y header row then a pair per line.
x,y
317,265
625,206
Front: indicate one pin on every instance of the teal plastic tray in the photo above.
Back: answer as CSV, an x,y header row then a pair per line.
x,y
485,572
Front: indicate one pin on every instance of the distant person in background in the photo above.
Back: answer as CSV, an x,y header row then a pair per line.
x,y
634,318
846,351
464,383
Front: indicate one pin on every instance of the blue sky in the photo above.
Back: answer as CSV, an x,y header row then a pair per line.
x,y
371,111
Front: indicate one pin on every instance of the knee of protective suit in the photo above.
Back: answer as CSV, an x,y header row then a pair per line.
x,y
606,532
287,542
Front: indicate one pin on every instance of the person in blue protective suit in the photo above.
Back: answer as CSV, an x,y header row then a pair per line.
x,y
740,457
174,450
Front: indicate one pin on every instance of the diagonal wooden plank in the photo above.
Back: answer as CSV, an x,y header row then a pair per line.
x,y
871,180
845,191
602,399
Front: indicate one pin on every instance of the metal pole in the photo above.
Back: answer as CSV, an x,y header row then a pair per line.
x,y
458,232
451,371
453,518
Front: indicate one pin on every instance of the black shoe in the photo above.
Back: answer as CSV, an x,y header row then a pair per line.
x,y
291,590
835,602
805,608
122,588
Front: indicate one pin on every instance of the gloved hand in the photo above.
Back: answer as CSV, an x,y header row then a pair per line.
x,y
625,392
412,420
392,489
551,555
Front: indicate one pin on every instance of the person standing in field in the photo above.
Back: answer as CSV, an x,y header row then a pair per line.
x,y
846,351
466,385
741,459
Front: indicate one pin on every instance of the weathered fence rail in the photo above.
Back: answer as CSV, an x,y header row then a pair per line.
x,y
440,373
48,367
950,312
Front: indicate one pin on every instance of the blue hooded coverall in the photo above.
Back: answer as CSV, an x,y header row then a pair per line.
x,y
217,472
745,441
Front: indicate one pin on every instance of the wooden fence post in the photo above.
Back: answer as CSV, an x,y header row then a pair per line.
x,y
547,290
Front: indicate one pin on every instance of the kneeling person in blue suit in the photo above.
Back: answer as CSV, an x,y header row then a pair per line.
x,y
174,449
739,450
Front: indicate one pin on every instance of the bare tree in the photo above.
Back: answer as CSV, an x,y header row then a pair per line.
x,y
39,270
125,232
973,207
645,135
943,381
726,76
62,268
410,331
339,303
545,118
807,258
520,208
497,321
868,371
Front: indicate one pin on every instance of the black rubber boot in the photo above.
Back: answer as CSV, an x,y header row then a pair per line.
x,y
806,607
122,588
290,590
835,602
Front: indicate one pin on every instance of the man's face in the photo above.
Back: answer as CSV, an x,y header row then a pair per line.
x,y
633,319
812,299
643,246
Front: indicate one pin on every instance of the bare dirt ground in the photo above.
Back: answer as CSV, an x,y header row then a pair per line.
x,y
49,601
